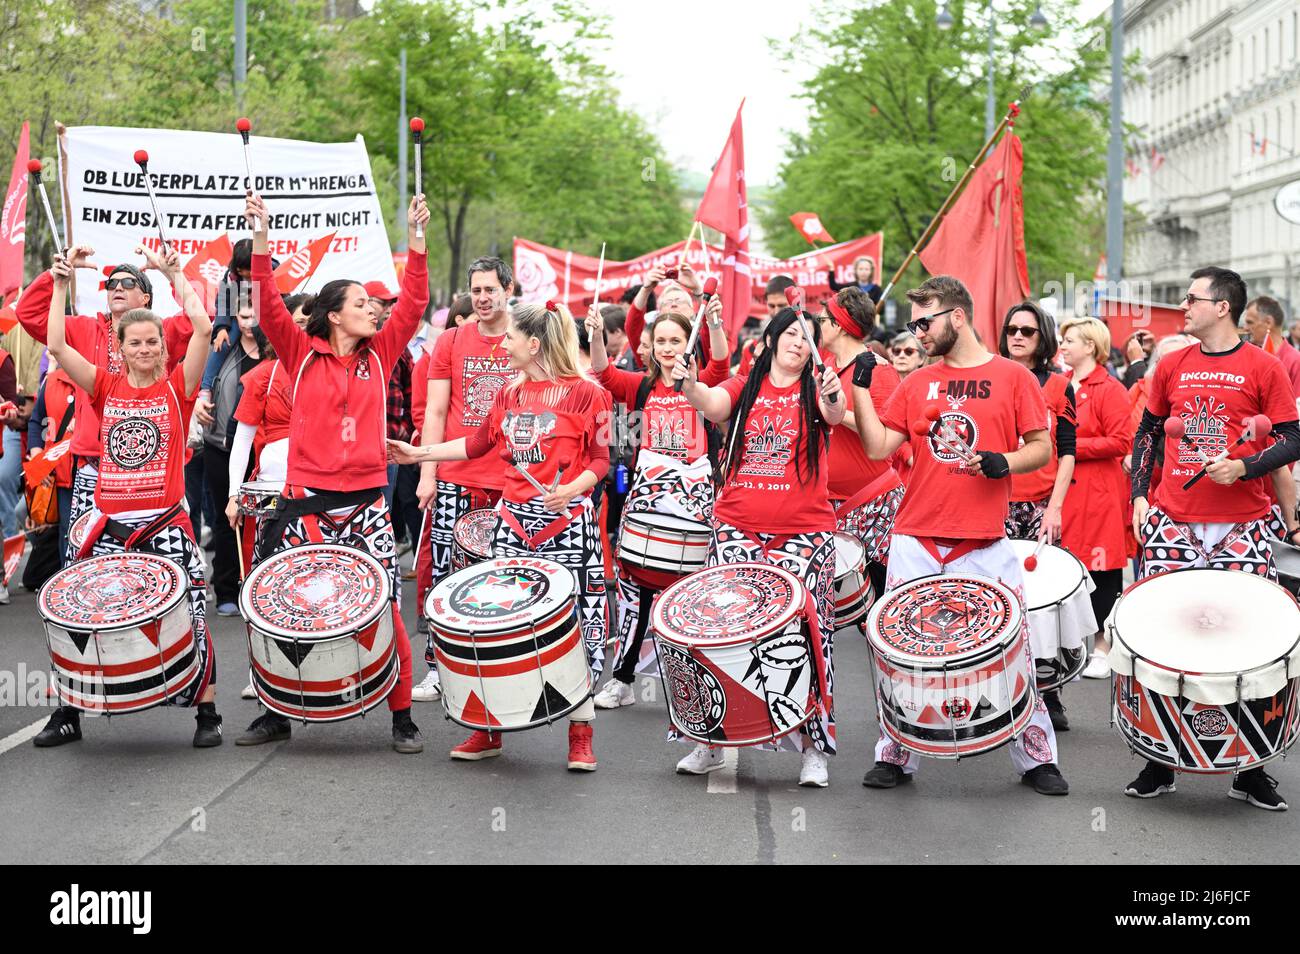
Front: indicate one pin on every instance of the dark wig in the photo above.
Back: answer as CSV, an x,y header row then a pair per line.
x,y
810,424
330,298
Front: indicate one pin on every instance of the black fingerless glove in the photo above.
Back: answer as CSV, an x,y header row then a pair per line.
x,y
863,367
993,465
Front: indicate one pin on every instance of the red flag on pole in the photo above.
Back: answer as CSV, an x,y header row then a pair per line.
x,y
13,231
301,265
810,227
207,267
726,208
13,553
982,239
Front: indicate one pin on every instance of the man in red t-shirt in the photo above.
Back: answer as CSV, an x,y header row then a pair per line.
x,y
954,511
1217,391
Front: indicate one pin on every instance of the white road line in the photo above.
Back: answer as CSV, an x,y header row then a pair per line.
x,y
22,735
723,781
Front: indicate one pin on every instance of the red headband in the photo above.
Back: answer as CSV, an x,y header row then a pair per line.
x,y
844,319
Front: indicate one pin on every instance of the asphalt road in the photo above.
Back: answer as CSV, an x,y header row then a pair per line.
x,y
134,790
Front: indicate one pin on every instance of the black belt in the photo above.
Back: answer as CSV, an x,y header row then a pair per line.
x,y
289,507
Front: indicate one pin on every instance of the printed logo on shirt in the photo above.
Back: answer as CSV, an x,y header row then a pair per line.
x,y
133,442
480,380
769,444
957,423
669,434
363,367
1211,377
525,430
1205,420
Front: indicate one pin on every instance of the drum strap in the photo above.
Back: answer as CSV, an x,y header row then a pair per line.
x,y
128,536
291,507
962,548
815,637
881,485
548,532
1228,540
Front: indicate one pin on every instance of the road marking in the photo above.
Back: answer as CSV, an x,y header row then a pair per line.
x,y
723,781
22,735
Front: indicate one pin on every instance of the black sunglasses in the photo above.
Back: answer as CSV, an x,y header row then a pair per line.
x,y
1020,331
127,283
898,352
1189,298
922,325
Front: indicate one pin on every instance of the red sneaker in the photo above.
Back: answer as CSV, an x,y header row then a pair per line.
x,y
480,745
581,757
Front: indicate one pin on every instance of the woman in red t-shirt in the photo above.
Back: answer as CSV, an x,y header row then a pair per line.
x,y
773,506
674,476
144,415
548,428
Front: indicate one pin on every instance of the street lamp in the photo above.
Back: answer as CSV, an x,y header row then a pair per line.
x,y
1037,22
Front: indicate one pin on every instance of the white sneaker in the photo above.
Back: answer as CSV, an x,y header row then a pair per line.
x,y
4,593
248,692
813,771
615,694
702,760
429,690
1098,666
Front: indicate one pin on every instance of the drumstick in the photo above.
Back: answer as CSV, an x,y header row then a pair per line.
x,y
142,160
600,273
710,288
1031,561
934,414
531,479
921,428
1251,428
1175,428
793,296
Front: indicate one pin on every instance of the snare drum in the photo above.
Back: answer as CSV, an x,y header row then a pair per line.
x,y
320,632
507,643
471,537
853,591
663,543
256,500
79,529
1061,621
119,632
734,654
1205,665
951,665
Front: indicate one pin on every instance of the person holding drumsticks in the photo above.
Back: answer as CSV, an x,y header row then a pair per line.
x,y
774,504
674,473
548,429
1204,403
953,517
143,414
337,469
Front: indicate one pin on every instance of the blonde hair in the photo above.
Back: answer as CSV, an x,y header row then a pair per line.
x,y
557,333
1094,332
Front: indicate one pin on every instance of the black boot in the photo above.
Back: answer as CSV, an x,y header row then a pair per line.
x,y
406,734
64,727
207,733
1056,710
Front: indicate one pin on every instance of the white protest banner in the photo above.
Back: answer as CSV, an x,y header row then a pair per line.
x,y
311,189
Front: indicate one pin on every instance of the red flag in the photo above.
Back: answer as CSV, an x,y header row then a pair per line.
x,y
301,265
14,547
982,239
207,267
13,228
810,227
8,318
725,207
43,462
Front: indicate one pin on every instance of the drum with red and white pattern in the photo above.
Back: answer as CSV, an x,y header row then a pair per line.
x,y
471,537
951,665
854,593
735,655
119,632
256,501
80,529
507,644
664,543
320,632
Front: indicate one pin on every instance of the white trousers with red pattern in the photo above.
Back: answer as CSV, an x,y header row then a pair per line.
x,y
908,559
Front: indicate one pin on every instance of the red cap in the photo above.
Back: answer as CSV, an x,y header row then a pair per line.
x,y
710,286
380,291
417,124
34,166
242,124
141,157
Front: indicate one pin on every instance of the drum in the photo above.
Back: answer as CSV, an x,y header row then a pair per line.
x,y
79,529
735,654
951,665
471,537
1287,560
320,632
663,543
119,632
853,591
507,644
1205,665
1061,621
256,500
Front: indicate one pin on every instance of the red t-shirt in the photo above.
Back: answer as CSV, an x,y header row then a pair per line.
x,y
142,431
478,369
771,490
1211,393
669,424
851,468
555,428
991,407
267,403
1038,484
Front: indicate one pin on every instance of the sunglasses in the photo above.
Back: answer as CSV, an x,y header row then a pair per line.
x,y
922,325
127,283
1189,299
899,352
1019,331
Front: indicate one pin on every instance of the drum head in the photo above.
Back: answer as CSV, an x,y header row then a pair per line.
x,y
114,591
315,591
946,617
730,603
473,531
850,554
501,596
1057,576
664,521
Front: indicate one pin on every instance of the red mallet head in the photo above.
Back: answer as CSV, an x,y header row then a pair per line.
x,y
243,125
1031,563
921,427
933,412
141,158
34,167
1263,426
1175,428
417,125
710,287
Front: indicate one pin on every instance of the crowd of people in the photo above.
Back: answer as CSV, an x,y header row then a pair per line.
x,y
379,428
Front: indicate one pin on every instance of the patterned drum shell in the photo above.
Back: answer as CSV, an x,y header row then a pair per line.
x,y
80,527
664,543
1059,604
259,498
320,632
854,593
471,537
119,632
951,665
507,644
734,654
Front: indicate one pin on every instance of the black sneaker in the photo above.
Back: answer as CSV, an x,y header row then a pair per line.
x,y
265,728
64,727
1259,788
885,775
207,733
1154,780
1047,780
1056,710
406,735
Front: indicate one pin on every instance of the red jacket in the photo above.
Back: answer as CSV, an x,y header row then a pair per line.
x,y
1092,520
94,339
340,420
